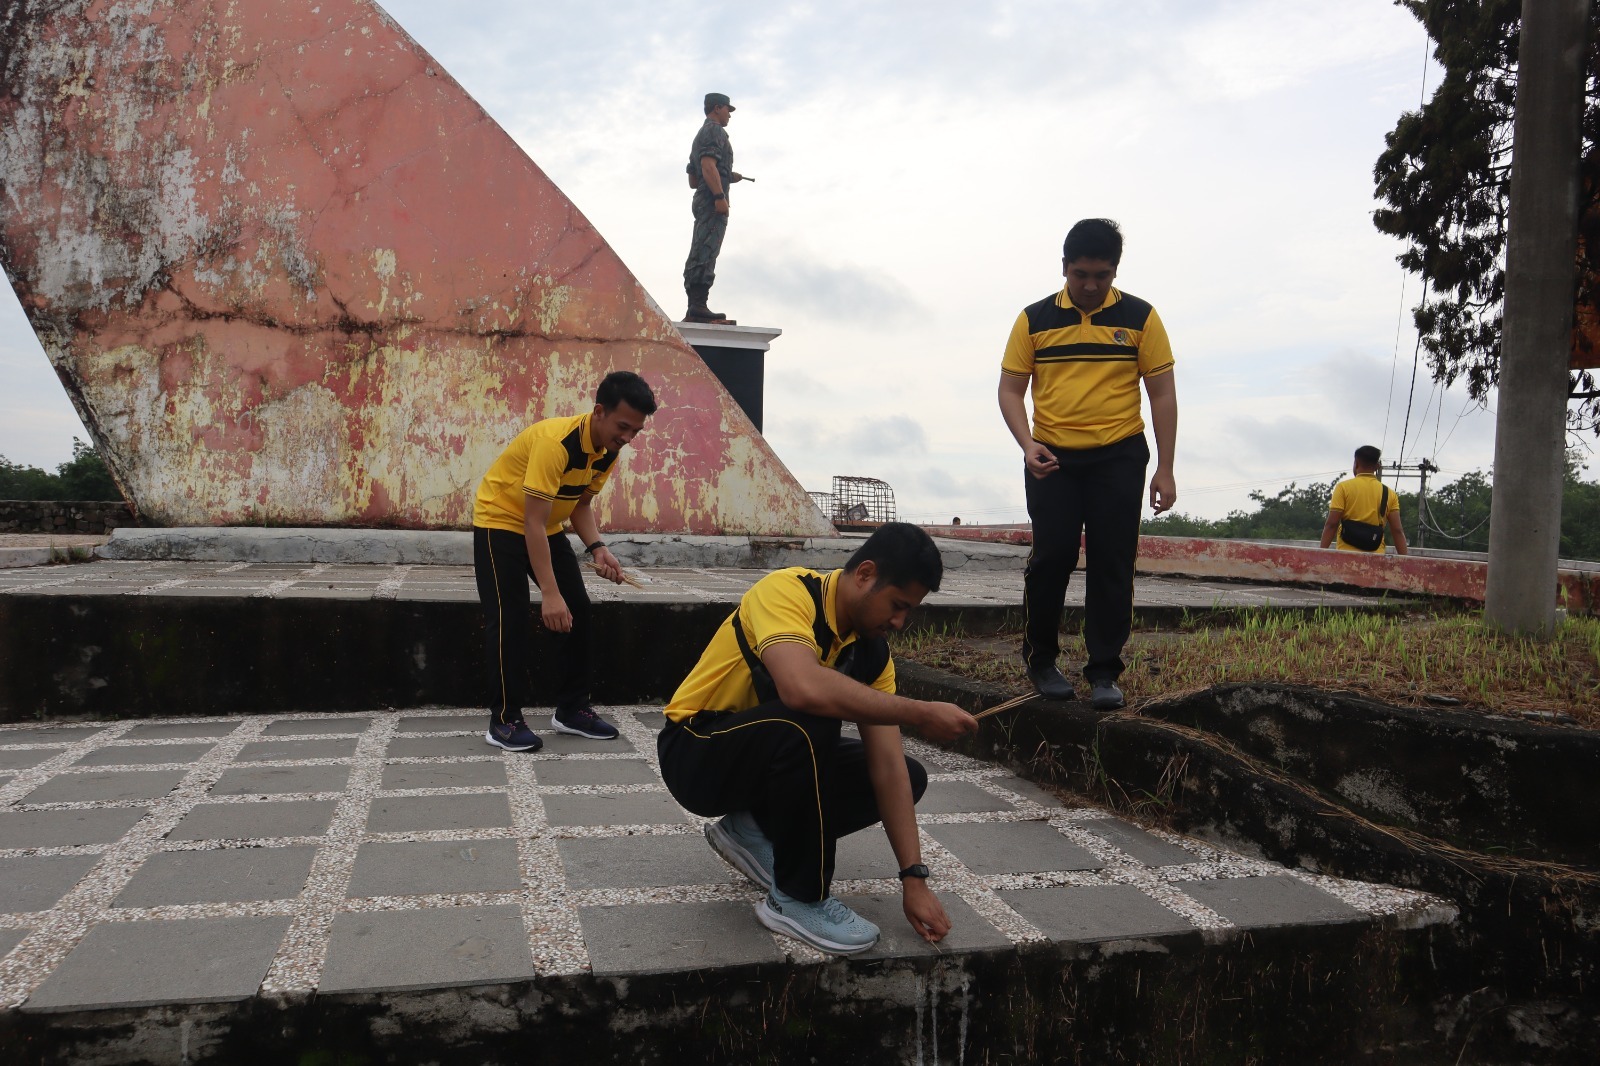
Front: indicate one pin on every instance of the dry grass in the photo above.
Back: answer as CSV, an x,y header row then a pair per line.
x,y
1404,659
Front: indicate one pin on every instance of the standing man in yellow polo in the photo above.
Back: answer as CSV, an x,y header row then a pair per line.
x,y
547,476
1084,351
1362,506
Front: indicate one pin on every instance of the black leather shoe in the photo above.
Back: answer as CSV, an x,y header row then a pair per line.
x,y
1050,683
1106,696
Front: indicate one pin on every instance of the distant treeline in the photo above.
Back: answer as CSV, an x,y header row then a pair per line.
x,y
83,477
1458,515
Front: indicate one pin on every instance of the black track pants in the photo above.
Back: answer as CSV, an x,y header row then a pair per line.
x,y
806,785
1095,496
500,563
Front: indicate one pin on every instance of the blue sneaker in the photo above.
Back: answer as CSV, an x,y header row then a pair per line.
x,y
515,736
827,925
740,841
583,722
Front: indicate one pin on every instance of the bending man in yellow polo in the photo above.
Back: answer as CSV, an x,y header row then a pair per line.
x,y
753,735
547,476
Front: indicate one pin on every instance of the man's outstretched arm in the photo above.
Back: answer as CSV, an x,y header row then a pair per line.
x,y
804,684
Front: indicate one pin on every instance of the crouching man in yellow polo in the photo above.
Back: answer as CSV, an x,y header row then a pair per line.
x,y
753,736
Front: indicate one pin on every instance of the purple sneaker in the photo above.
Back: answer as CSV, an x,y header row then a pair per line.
x,y
515,736
583,722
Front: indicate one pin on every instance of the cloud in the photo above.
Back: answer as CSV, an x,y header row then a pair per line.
x,y
793,283
893,435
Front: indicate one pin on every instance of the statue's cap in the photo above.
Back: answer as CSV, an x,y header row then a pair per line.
x,y
718,100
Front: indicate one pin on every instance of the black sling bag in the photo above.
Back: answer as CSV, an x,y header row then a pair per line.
x,y
1365,535
863,659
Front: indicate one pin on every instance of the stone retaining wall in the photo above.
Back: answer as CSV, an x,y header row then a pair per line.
x,y
64,516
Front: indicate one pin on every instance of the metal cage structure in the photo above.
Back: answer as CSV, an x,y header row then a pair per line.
x,y
862,501
824,502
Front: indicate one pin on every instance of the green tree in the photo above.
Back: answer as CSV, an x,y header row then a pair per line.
x,y
83,477
1444,180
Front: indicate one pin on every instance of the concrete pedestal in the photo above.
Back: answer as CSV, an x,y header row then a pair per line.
x,y
737,356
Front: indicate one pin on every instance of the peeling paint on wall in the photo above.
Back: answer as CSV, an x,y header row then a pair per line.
x,y
291,274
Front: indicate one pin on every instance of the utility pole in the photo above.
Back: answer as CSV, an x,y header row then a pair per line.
x,y
1424,468
1536,334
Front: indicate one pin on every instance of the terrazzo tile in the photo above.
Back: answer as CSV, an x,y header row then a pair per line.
x,y
1095,912
968,930
36,882
959,797
426,867
179,730
1263,902
647,808
662,937
563,772
49,734
399,814
233,875
1148,849
391,951
136,964
104,785
442,723
143,754
290,750
314,726
644,862
443,775
1012,848
280,780
864,856
435,747
26,758
52,829
247,821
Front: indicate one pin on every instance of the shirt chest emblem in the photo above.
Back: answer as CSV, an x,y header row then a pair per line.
x,y
1122,337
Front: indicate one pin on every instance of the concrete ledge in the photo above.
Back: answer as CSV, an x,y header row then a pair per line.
x,y
1523,957
1579,590
1179,999
403,547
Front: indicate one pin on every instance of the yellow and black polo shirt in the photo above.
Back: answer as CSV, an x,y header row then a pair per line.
x,y
550,460
781,606
1086,366
1357,498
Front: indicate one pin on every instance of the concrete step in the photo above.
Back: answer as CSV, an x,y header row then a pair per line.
x,y
238,882
137,638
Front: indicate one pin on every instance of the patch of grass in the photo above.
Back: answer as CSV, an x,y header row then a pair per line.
x,y
1402,659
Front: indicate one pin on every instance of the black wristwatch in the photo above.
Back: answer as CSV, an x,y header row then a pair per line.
x,y
719,196
917,870
589,549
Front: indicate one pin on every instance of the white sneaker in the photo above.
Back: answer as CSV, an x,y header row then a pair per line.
x,y
827,925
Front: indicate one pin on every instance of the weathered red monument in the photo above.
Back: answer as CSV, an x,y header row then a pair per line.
x,y
291,273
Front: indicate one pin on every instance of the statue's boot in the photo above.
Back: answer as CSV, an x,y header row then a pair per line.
x,y
699,312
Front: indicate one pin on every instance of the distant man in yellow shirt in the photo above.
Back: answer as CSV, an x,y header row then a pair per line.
x,y
753,736
547,476
1362,506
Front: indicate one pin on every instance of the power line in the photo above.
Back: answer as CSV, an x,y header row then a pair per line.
x,y
1400,315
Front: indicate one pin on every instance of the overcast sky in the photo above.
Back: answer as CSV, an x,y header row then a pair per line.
x,y
917,166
